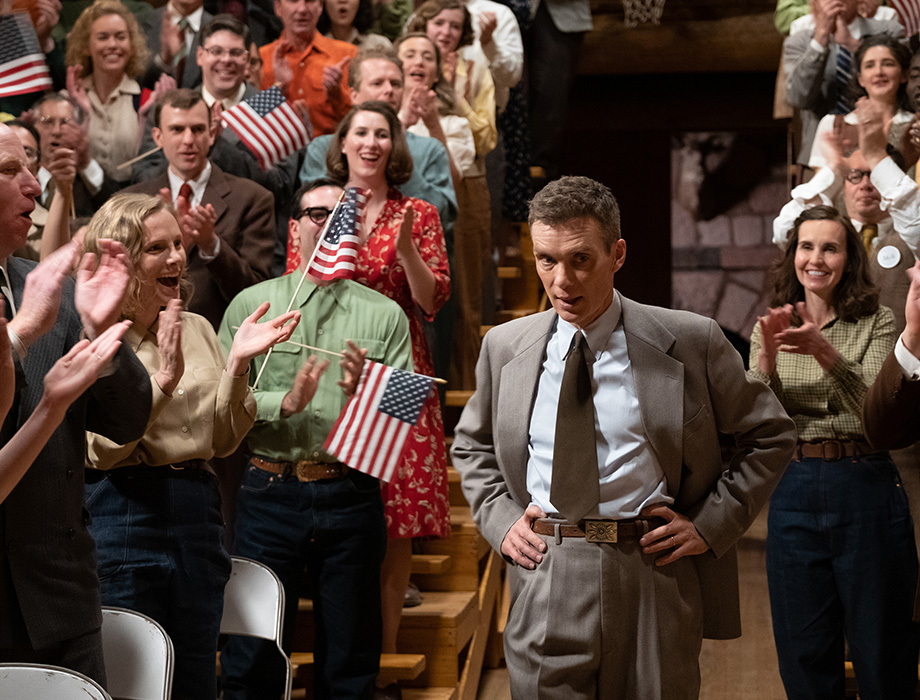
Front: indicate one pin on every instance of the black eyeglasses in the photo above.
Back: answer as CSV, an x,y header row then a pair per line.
x,y
318,215
855,176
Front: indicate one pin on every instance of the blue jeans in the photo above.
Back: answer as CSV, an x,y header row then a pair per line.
x,y
158,536
841,563
336,528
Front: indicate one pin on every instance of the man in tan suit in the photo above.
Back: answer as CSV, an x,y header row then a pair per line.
x,y
612,601
227,222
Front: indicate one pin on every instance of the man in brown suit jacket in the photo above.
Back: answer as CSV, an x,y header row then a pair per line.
x,y
228,223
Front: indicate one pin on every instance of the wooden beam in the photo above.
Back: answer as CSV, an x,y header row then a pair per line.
x,y
729,44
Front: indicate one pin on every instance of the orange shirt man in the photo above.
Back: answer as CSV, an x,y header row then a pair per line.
x,y
309,66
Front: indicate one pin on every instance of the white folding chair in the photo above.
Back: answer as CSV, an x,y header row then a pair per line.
x,y
42,682
138,656
254,607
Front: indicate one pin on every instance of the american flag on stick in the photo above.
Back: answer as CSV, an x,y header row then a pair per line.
x,y
22,61
371,431
909,14
268,125
335,254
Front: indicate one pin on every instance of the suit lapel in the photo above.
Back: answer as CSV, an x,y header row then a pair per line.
x,y
519,380
659,380
216,193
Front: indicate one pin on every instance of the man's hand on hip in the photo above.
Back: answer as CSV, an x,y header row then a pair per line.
x,y
678,536
521,543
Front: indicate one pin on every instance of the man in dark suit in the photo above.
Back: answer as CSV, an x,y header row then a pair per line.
x,y
172,37
49,592
228,223
623,525
223,58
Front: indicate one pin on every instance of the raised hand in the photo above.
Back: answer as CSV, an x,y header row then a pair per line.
x,y
62,164
101,288
487,24
197,225
352,365
217,122
404,243
807,339
872,127
49,12
282,69
172,36
305,384
775,321
169,341
41,297
332,76
76,90
302,110
253,338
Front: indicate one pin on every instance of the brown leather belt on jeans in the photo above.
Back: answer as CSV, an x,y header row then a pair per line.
x,y
303,470
832,450
599,530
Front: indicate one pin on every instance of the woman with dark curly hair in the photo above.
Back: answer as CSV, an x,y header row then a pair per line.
x,y
841,561
106,52
881,64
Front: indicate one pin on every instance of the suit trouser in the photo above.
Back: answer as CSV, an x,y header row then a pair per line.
x,y
602,621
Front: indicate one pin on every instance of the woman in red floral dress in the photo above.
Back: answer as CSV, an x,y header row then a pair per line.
x,y
405,258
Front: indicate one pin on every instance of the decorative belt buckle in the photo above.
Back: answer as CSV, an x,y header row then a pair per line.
x,y
601,531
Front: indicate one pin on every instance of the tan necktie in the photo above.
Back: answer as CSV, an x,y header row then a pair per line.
x,y
182,53
575,490
869,233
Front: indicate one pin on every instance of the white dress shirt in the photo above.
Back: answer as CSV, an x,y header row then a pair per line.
x,y
629,472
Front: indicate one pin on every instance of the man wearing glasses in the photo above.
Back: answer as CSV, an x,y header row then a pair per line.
x,y
298,506
64,145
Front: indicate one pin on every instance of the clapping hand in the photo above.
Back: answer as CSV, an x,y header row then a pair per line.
x,y
169,341
253,338
487,24
41,297
332,76
775,321
305,384
404,243
352,365
282,69
101,288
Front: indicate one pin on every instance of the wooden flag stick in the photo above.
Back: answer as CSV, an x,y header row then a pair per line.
x,y
134,160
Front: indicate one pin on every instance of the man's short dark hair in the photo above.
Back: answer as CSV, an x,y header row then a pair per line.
x,y
181,98
309,187
79,114
575,197
225,23
383,52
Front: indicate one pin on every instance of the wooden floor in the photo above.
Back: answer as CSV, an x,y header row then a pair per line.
x,y
739,669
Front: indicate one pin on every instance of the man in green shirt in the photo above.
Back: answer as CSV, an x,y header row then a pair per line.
x,y
297,505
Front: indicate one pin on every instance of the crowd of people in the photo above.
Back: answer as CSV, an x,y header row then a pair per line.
x,y
127,173
156,330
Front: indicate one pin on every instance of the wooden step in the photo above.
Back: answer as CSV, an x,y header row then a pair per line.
x,y
429,694
509,272
484,329
466,547
454,488
511,314
430,563
457,397
439,628
397,666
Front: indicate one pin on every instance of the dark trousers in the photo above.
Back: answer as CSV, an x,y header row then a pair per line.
x,y
82,654
159,543
841,563
336,528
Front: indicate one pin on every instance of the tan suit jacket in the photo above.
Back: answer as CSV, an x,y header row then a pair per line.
x,y
691,386
246,226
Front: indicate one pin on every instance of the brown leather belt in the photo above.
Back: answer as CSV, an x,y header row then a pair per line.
x,y
599,530
303,470
832,450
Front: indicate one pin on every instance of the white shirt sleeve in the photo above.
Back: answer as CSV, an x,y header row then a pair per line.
x,y
821,189
901,199
910,364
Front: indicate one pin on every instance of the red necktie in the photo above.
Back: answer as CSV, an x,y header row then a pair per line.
x,y
186,191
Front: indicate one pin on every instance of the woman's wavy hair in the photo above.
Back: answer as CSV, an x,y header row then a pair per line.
x,y
78,38
123,218
901,54
399,164
427,11
442,88
854,296
364,18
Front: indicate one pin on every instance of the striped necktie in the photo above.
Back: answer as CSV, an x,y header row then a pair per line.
x,y
843,76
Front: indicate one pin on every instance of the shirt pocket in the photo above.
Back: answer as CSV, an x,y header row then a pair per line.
x,y
376,349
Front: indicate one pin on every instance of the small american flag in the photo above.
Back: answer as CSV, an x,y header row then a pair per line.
x,y
337,250
909,14
22,62
371,431
268,125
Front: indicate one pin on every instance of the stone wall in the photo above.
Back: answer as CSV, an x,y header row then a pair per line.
x,y
719,266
